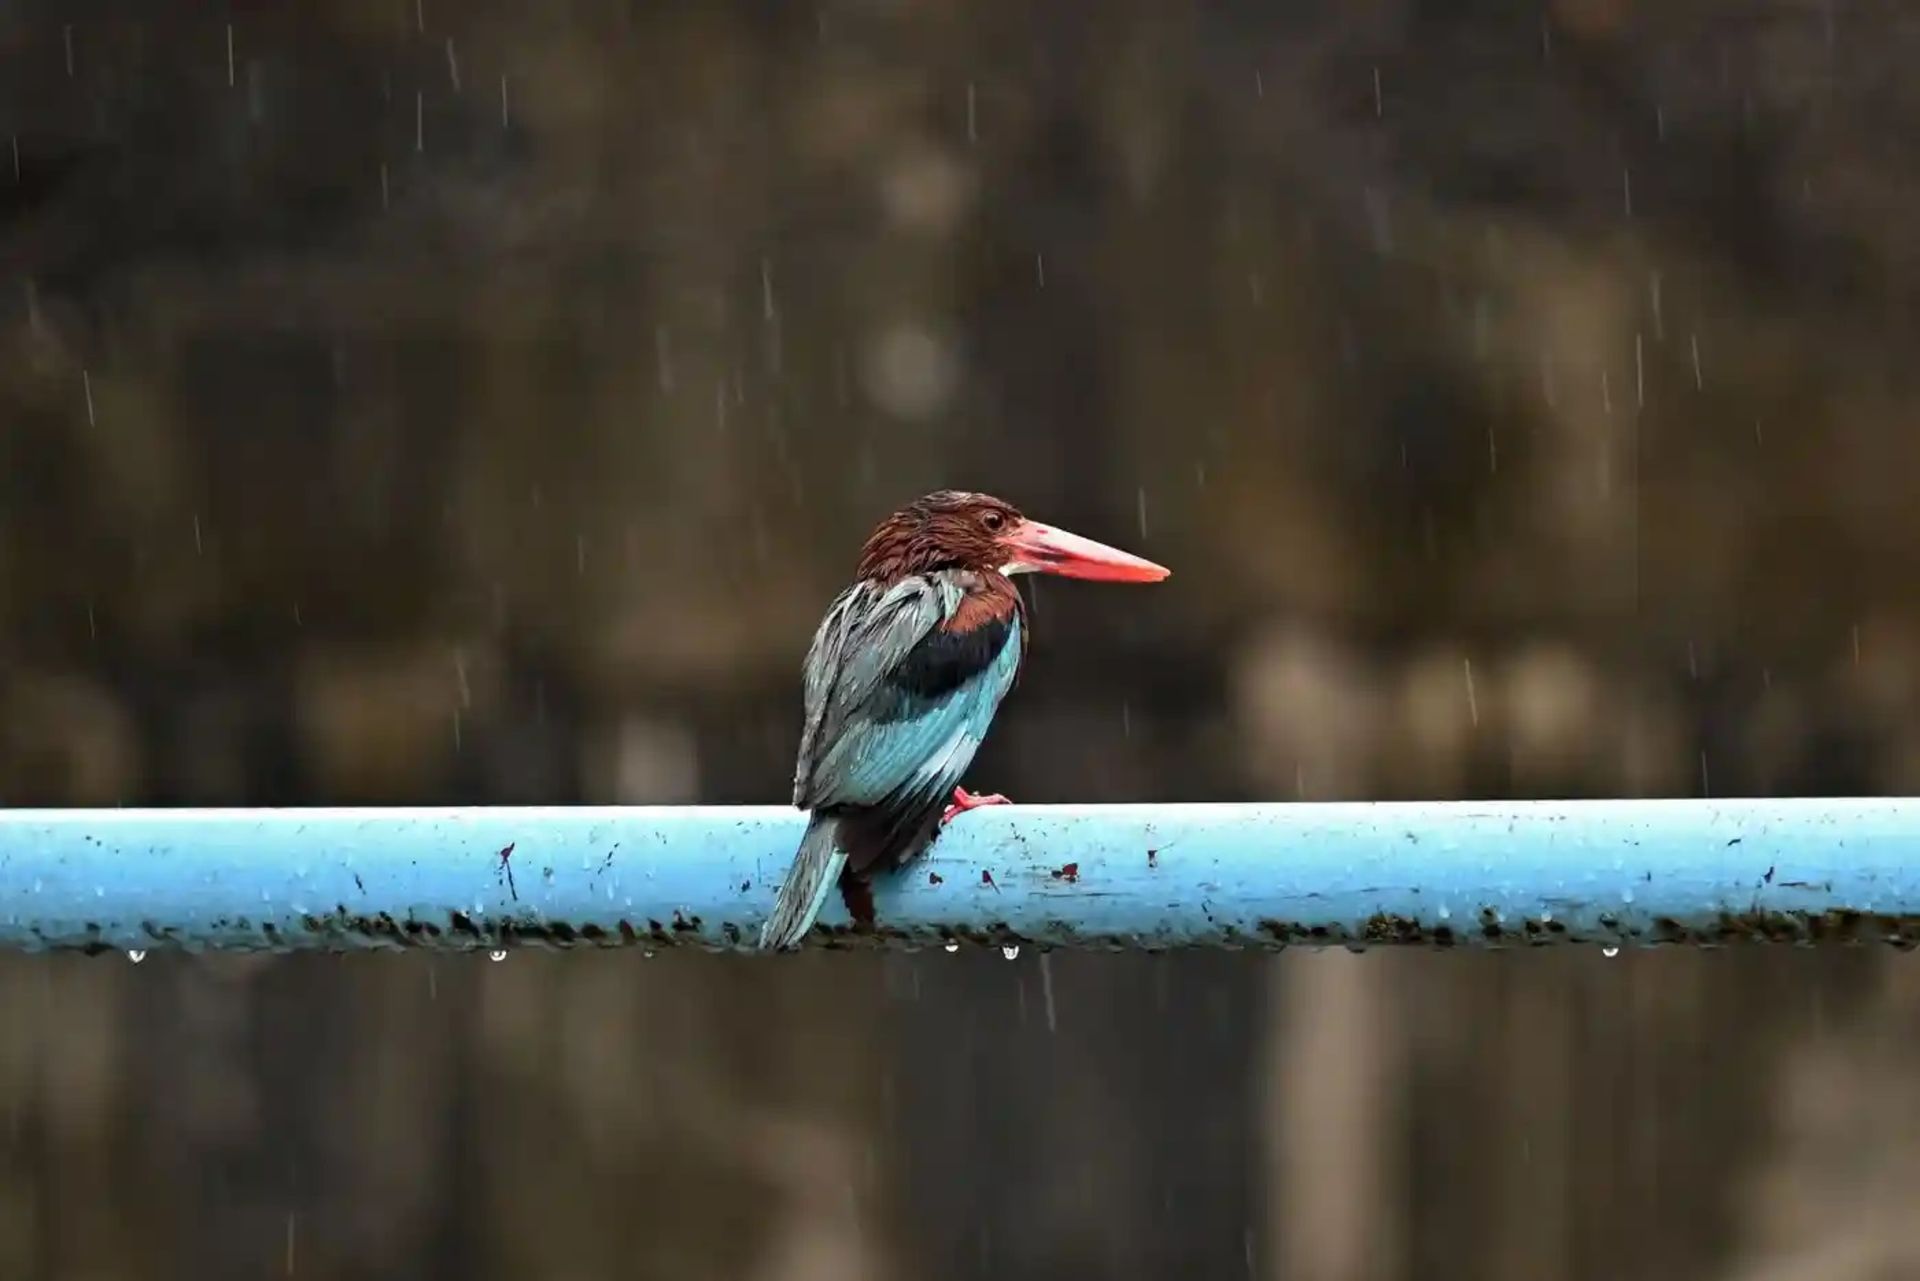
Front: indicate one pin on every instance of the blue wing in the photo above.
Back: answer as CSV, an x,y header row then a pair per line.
x,y
867,631
897,705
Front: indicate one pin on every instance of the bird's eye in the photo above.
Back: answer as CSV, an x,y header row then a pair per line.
x,y
993,520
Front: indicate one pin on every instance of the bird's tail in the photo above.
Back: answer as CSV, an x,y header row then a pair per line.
x,y
816,867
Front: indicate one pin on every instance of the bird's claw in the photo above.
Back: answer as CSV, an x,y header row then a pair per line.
x,y
963,800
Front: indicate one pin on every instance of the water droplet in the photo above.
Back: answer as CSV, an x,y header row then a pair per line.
x,y
136,955
1609,951
498,954
1446,913
952,945
1011,951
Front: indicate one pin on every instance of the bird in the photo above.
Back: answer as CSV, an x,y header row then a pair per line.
x,y
902,680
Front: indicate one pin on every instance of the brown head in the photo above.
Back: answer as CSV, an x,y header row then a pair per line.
x,y
950,529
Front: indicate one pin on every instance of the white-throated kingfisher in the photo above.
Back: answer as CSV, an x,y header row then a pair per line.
x,y
903,679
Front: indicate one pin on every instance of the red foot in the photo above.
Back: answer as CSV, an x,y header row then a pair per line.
x,y
963,800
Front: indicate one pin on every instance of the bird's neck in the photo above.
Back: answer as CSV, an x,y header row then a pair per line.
x,y
888,572
984,595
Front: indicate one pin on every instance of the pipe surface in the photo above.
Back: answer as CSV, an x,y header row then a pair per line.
x,y
1110,876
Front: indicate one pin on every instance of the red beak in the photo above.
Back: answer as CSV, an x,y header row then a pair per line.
x,y
1041,549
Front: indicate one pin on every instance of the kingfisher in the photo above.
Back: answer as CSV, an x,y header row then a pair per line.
x,y
902,681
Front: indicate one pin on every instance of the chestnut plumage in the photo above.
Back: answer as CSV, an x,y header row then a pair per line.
x,y
903,679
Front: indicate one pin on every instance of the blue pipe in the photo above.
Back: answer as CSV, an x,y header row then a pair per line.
x,y
1126,876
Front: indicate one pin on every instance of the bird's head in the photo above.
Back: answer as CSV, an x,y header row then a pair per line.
x,y
949,529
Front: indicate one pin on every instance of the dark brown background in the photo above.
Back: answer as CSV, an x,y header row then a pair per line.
x,y
1525,397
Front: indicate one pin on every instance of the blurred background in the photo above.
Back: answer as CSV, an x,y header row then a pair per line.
x,y
419,401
